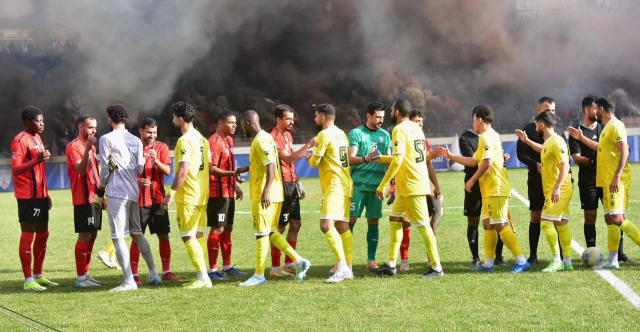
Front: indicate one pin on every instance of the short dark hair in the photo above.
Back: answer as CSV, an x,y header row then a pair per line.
x,y
546,100
117,113
326,109
607,103
83,118
483,112
588,101
30,113
278,112
548,118
222,116
375,106
416,114
184,110
148,122
403,106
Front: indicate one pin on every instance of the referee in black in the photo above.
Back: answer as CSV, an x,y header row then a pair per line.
x,y
582,141
468,142
528,156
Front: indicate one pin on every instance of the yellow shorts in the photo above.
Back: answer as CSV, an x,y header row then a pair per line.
x,y
265,221
496,209
615,203
335,207
191,219
411,208
560,210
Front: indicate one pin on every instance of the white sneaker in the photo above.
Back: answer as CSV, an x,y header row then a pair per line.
x,y
105,259
339,276
404,265
86,283
606,265
92,280
334,268
124,287
253,281
114,262
155,280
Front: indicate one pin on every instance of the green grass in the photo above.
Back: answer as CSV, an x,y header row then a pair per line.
x,y
579,300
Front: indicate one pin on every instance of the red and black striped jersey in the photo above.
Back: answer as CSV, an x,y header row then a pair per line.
x,y
154,193
33,183
83,187
222,157
284,142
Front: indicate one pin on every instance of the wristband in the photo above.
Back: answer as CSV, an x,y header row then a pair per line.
x,y
171,193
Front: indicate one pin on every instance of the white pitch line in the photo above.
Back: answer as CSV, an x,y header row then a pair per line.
x,y
609,277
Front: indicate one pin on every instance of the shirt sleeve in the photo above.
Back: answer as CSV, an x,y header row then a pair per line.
x,y
216,153
164,155
354,139
141,161
183,151
619,134
321,145
399,141
74,154
574,146
18,151
266,153
279,140
560,152
479,154
105,151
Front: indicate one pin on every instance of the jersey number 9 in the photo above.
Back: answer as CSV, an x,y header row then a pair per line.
x,y
344,159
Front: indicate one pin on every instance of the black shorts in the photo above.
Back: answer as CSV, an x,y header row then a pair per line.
x,y
33,210
473,201
589,196
156,217
86,218
536,195
291,204
220,211
430,208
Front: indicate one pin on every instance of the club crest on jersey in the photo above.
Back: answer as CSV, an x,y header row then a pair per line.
x,y
395,143
486,147
5,178
381,139
618,138
266,153
183,151
13,155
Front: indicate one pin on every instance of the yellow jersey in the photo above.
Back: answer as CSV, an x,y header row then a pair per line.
x,y
191,148
554,152
412,179
331,155
609,155
264,152
495,183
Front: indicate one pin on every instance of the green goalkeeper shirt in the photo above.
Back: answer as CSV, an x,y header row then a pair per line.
x,y
367,177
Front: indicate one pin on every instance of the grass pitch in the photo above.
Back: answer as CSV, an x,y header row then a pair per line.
x,y
578,300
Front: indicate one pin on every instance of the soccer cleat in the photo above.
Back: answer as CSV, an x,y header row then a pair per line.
x,y
124,287
483,268
170,276
499,262
385,270
217,275
42,281
625,259
137,280
334,269
34,286
115,264
568,268
607,265
301,269
233,272
433,274
86,283
475,263
519,268
279,273
404,265
253,281
372,266
339,276
105,259
553,267
533,260
198,284
88,277
290,269
155,280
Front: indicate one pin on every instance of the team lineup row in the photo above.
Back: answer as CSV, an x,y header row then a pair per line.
x,y
354,172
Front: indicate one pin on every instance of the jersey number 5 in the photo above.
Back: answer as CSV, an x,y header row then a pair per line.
x,y
344,159
420,150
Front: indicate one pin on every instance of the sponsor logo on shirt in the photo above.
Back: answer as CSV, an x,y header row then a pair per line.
x,y
183,151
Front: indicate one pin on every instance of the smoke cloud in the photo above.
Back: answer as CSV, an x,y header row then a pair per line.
x,y
444,57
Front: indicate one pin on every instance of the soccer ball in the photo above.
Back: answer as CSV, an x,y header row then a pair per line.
x,y
592,256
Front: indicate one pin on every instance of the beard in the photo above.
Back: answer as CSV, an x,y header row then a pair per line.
x,y
593,118
394,119
318,127
540,133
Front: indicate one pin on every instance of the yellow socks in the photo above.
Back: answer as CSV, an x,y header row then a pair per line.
x,y
552,237
490,242
281,243
335,244
203,244
347,246
631,230
565,240
429,240
110,249
395,241
262,251
509,239
194,250
613,237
